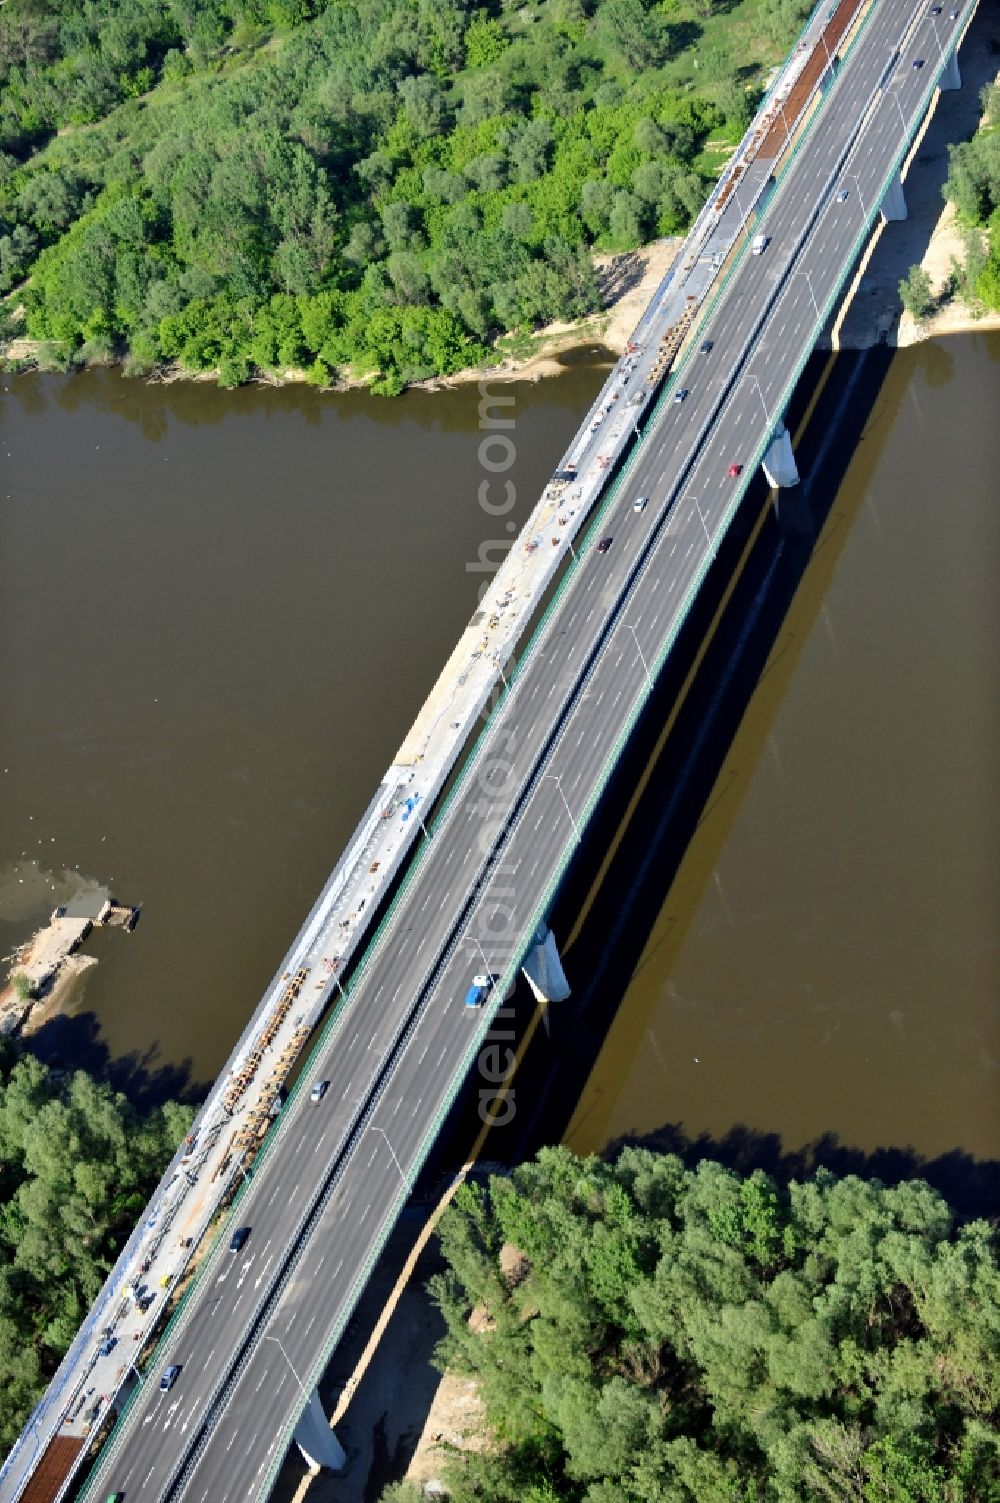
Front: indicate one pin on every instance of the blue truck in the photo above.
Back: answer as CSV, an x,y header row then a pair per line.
x,y
480,989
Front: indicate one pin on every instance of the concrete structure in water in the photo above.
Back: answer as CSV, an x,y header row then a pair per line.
x,y
41,958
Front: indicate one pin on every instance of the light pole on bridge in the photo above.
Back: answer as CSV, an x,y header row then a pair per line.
x,y
393,1152
749,376
291,1369
701,517
557,779
808,276
642,659
852,177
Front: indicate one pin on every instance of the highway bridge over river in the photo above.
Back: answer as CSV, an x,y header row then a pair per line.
x,y
254,1333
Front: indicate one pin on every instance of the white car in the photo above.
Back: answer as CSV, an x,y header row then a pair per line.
x,y
640,503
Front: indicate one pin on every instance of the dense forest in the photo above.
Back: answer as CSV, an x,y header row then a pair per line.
x,y
389,185
655,1334
77,1165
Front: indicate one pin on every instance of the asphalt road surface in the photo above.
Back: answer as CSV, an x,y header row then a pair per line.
x,y
401,1043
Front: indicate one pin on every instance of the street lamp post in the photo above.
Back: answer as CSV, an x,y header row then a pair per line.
x,y
852,177
808,277
784,121
558,782
902,117
291,1369
645,665
482,955
393,1152
826,49
701,518
751,377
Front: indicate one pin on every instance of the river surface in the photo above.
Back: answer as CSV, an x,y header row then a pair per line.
x,y
825,963
220,612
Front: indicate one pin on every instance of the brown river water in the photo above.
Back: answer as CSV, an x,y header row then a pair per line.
x,y
220,611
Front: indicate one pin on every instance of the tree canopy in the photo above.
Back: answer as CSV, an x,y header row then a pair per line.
x,y
657,1334
77,1165
973,186
388,185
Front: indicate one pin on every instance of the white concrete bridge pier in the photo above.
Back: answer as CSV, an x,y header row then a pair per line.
x,y
316,1440
779,461
543,967
950,76
894,204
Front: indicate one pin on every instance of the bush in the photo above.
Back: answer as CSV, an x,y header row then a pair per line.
x,y
915,293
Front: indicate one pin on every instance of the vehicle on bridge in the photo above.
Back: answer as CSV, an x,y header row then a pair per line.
x,y
170,1376
319,1090
640,503
735,470
239,1238
604,546
759,244
480,989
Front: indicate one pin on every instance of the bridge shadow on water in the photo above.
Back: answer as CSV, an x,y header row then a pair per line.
x,y
631,852
611,897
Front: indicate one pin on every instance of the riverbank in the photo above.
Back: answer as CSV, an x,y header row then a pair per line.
x,y
930,236
626,281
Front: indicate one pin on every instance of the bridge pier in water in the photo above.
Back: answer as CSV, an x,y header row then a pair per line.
x,y
894,204
950,76
316,1440
779,461
543,967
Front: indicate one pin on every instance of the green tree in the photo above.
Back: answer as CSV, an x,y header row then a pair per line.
x,y
915,293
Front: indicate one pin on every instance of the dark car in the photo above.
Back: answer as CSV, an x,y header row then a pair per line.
x,y
680,394
935,10
170,1376
604,545
239,1238
918,62
107,1346
706,346
319,1090
734,470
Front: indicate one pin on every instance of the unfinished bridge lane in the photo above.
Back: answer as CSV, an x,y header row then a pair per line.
x,y
313,1136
